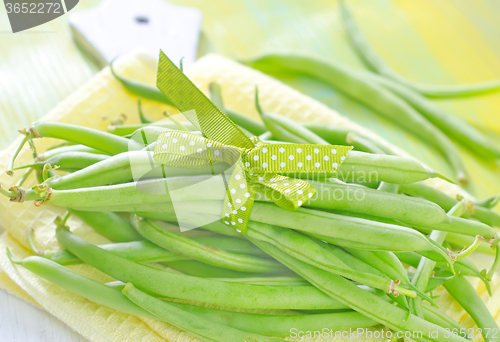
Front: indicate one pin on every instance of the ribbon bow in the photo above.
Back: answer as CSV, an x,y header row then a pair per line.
x,y
256,165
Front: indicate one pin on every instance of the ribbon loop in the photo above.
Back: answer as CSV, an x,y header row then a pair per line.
x,y
257,166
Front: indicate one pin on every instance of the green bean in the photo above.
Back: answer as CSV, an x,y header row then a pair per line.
x,y
98,140
454,127
121,169
465,294
195,324
109,224
337,135
284,280
337,195
376,63
216,226
285,129
390,169
202,270
373,96
171,285
446,202
81,285
141,89
463,226
233,245
363,302
316,254
253,126
194,250
71,148
69,161
138,251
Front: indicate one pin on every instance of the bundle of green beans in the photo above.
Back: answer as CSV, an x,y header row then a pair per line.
x,y
336,263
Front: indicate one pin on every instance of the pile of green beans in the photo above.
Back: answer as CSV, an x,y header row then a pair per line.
x,y
339,259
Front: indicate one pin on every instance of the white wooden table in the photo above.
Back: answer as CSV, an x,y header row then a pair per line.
x,y
22,322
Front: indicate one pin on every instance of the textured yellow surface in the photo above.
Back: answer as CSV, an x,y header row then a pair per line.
x,y
103,96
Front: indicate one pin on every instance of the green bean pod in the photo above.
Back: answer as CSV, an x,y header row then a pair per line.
x,y
108,224
389,169
465,294
337,135
365,303
98,140
337,195
376,63
207,254
141,89
446,202
64,149
171,285
81,285
373,96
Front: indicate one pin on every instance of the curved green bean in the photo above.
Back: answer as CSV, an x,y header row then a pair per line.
x,y
465,294
108,224
141,89
81,285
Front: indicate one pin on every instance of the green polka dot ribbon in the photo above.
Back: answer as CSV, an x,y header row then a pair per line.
x,y
257,166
